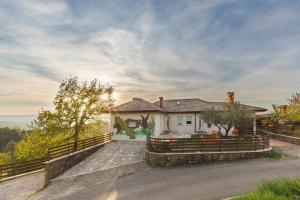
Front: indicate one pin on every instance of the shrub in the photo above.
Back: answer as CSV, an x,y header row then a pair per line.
x,y
5,158
35,145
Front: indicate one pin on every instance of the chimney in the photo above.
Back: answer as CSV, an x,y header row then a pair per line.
x,y
230,97
161,99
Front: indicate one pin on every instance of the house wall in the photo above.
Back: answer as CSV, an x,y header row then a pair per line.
x,y
160,120
185,129
193,128
157,117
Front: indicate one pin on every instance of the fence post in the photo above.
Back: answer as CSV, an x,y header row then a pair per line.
x,y
48,154
94,140
147,143
0,172
255,141
27,167
13,166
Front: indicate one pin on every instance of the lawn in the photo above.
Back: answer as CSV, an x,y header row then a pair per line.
x,y
278,189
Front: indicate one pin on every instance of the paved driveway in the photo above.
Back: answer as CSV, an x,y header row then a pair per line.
x,y
113,154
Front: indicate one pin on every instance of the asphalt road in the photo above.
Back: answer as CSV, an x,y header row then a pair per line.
x,y
194,182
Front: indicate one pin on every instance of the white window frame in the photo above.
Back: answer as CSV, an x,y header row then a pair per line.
x,y
179,120
191,120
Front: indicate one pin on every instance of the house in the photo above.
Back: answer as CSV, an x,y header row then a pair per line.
x,y
176,117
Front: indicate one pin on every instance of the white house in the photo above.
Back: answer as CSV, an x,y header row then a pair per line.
x,y
174,117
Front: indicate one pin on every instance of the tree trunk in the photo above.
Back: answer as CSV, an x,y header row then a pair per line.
x,y
227,131
76,136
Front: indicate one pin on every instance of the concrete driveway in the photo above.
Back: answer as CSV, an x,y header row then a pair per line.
x,y
115,153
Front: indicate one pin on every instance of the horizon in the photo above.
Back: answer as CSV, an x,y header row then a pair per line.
x,y
147,49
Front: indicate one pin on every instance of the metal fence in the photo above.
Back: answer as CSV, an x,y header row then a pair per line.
x,y
21,167
71,147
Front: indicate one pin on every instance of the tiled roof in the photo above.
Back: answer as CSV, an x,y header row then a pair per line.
x,y
176,105
184,105
138,105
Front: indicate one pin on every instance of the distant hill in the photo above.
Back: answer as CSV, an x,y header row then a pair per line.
x,y
15,121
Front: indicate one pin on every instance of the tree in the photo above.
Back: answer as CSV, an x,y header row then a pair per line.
x,y
287,114
242,118
293,109
234,115
7,135
214,117
75,105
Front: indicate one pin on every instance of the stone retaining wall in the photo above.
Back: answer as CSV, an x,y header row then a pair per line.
x,y
176,159
285,138
57,166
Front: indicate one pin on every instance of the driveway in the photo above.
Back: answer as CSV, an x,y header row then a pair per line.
x,y
113,154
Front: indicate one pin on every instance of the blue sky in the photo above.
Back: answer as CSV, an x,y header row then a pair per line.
x,y
175,49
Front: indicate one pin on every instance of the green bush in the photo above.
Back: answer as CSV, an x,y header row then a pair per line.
x,y
278,189
274,154
5,158
35,145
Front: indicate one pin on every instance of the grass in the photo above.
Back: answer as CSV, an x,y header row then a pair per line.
x,y
278,189
275,154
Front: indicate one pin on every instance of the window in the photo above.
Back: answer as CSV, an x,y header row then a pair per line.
x,y
179,120
132,123
209,125
188,120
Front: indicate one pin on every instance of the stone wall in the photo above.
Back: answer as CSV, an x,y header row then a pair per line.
x,y
176,159
57,166
285,138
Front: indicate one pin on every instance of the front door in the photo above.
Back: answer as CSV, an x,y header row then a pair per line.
x,y
199,123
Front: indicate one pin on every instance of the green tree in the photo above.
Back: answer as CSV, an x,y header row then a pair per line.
x,y
5,158
7,135
214,117
76,105
293,109
233,115
242,118
35,144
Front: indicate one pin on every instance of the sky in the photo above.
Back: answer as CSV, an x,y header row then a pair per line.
x,y
147,49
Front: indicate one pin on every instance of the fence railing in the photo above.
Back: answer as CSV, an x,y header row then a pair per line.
x,y
21,167
71,147
282,129
178,145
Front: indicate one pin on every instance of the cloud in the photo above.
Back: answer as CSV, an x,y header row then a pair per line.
x,y
149,49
